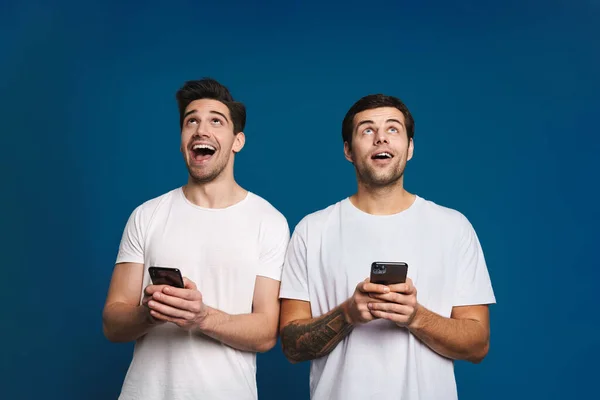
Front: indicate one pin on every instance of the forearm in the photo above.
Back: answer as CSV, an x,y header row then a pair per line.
x,y
123,322
307,339
255,332
459,339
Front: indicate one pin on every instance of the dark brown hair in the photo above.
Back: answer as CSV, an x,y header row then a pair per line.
x,y
375,101
208,88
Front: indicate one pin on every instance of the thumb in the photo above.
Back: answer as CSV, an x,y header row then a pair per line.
x,y
188,284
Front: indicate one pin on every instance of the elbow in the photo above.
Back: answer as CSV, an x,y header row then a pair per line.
x,y
480,353
289,356
266,345
285,348
110,335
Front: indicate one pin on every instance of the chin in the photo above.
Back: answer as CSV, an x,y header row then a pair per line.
x,y
202,175
206,174
381,180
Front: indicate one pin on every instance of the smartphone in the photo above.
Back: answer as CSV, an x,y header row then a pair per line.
x,y
388,273
166,276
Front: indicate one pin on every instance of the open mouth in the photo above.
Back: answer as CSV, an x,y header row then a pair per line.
x,y
382,156
202,152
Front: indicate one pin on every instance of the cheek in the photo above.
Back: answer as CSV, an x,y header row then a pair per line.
x,y
401,145
185,137
360,152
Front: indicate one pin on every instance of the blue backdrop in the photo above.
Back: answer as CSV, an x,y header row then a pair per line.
x,y
505,98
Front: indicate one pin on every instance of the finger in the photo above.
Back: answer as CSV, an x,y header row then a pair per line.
x,y
153,320
188,284
169,311
193,306
411,286
175,302
368,287
391,308
186,294
375,296
393,298
165,318
397,318
150,289
413,289
400,287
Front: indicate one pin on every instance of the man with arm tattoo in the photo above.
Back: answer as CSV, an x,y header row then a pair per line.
x,y
366,340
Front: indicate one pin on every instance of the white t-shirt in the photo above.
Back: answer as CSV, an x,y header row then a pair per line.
x,y
331,251
222,251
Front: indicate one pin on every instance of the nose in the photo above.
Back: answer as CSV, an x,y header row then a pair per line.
x,y
380,137
202,129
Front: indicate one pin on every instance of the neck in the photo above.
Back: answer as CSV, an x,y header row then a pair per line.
x,y
385,200
218,193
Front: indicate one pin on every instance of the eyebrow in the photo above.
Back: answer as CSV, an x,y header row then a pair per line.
x,y
211,111
368,121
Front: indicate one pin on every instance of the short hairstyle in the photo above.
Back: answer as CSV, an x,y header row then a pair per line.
x,y
208,88
375,101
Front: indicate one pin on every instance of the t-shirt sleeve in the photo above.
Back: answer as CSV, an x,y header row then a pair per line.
x,y
131,248
294,281
273,244
473,282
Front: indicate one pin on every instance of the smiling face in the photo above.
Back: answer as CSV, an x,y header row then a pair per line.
x,y
380,146
208,142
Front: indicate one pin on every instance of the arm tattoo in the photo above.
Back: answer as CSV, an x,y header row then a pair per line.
x,y
314,338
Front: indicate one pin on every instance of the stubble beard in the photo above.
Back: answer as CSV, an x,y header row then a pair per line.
x,y
205,175
372,178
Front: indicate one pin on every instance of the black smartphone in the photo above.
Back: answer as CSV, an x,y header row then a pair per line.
x,y
388,273
166,276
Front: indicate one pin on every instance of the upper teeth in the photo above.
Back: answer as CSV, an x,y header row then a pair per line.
x,y
384,154
203,146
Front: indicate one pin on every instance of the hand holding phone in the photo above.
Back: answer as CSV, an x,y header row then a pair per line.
x,y
179,301
399,305
161,276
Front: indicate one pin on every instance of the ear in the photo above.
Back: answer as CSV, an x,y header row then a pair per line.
x,y
411,149
348,152
238,142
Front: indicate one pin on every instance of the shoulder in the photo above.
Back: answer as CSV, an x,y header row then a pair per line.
x,y
265,211
319,219
145,211
444,218
442,212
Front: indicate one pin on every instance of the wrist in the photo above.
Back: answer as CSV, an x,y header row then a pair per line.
x,y
203,324
417,318
345,307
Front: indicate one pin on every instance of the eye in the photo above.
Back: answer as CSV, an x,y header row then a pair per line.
x,y
368,131
191,121
393,130
216,121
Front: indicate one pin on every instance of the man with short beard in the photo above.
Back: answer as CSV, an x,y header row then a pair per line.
x,y
199,341
376,341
